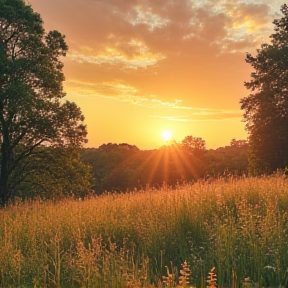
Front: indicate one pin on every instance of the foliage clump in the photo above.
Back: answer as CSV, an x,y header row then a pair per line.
x,y
265,109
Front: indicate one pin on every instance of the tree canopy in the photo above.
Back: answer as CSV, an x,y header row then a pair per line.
x,y
266,108
32,109
194,145
122,167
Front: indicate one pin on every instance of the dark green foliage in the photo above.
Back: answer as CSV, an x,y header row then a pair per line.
x,y
112,166
266,108
230,159
121,167
32,112
52,173
118,167
194,146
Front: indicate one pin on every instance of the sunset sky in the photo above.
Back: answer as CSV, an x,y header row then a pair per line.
x,y
139,67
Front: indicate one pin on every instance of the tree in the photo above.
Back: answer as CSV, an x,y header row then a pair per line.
x,y
194,145
32,110
266,108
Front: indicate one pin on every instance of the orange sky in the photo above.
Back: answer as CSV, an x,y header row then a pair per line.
x,y
138,67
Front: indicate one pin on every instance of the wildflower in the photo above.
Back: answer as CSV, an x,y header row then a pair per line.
x,y
212,278
185,273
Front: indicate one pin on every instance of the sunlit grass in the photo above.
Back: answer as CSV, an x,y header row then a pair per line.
x,y
128,240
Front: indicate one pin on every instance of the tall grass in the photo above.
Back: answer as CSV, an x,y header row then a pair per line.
x,y
129,240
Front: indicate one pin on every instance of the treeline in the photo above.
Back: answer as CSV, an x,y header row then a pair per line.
x,y
121,167
54,172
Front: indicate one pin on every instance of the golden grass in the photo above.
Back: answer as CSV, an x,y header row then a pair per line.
x,y
126,240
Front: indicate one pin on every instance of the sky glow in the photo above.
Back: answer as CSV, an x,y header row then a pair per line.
x,y
138,66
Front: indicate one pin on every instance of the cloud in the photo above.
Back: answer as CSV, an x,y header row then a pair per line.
x,y
174,49
251,17
122,92
98,24
248,26
140,15
204,114
163,27
131,55
172,111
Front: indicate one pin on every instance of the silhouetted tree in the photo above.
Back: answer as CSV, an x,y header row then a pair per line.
x,y
266,108
32,110
194,145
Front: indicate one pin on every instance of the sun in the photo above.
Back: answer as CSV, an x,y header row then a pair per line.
x,y
167,135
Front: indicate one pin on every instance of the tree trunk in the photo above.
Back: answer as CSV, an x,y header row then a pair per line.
x,y
4,175
4,171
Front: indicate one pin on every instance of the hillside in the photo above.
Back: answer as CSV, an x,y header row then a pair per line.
x,y
238,226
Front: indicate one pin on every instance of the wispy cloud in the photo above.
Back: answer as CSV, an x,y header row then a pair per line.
x,y
131,55
204,114
126,93
122,92
247,26
141,15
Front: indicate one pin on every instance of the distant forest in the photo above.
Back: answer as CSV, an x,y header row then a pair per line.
x,y
122,167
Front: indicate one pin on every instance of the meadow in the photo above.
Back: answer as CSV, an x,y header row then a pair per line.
x,y
151,238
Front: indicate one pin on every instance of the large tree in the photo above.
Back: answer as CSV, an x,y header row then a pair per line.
x,y
266,108
32,110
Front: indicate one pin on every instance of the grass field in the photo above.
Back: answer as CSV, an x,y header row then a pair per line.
x,y
240,227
